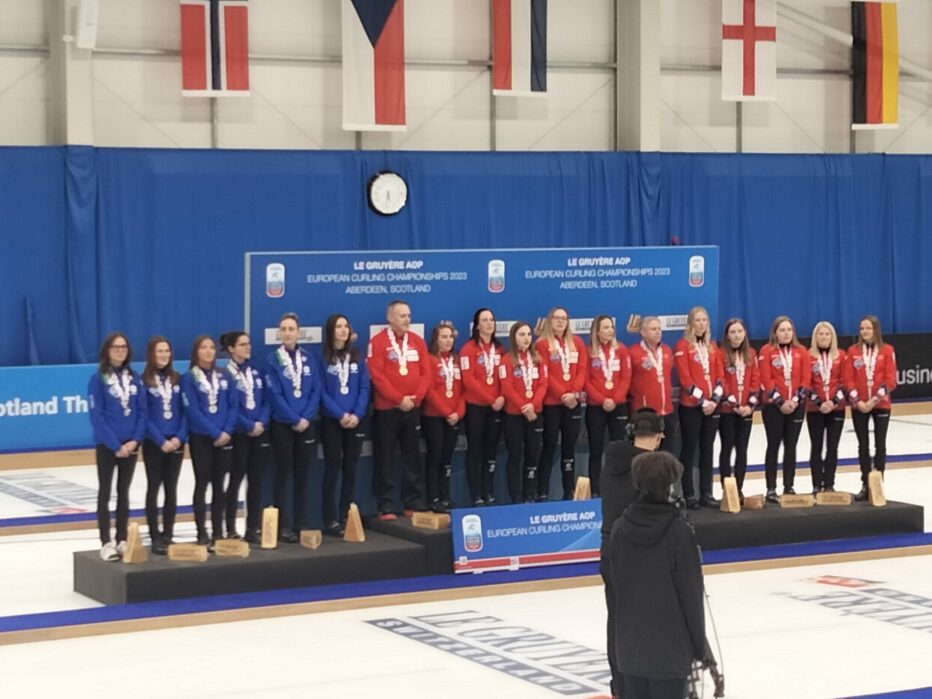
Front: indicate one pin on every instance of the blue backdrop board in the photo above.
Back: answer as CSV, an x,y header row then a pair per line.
x,y
451,284
518,536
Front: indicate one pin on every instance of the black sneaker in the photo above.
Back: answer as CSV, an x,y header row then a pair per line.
x,y
788,490
441,507
252,537
160,546
692,502
542,498
287,536
203,540
333,528
709,501
489,499
772,496
478,502
862,495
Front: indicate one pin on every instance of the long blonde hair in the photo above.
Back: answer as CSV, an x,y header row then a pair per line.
x,y
814,345
688,331
594,343
546,329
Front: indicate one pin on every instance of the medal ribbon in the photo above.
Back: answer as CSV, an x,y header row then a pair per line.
x,y
292,371
121,385
400,352
212,387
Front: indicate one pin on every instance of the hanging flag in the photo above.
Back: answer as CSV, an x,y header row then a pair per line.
x,y
749,50
519,47
214,48
875,64
374,65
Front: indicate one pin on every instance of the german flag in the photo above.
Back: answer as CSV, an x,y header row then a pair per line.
x,y
875,64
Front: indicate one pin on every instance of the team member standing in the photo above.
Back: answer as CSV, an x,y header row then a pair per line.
x,y
524,384
400,376
651,376
344,400
293,385
211,406
785,368
699,367
565,356
444,407
166,434
607,381
480,358
870,378
741,381
251,436
118,417
825,409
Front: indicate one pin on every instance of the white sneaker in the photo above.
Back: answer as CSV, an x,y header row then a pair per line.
x,y
121,548
108,552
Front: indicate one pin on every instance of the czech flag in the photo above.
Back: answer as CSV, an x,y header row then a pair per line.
x,y
519,47
373,65
875,64
214,48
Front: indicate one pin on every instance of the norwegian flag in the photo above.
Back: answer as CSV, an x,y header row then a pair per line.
x,y
749,50
214,48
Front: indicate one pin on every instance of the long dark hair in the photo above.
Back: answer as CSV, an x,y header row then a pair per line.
x,y
104,364
197,343
747,352
475,327
149,373
435,338
330,353
878,336
512,347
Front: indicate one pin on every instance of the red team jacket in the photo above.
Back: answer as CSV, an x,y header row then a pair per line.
x,y
513,387
390,387
620,373
773,384
735,396
557,386
646,391
819,392
855,375
472,364
436,402
695,388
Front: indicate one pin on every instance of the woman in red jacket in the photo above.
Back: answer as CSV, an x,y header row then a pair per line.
x,y
870,378
444,407
825,409
741,381
699,368
607,380
564,354
524,380
480,359
784,377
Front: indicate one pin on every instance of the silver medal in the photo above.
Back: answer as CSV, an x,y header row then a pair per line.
x,y
297,393
344,390
211,409
167,414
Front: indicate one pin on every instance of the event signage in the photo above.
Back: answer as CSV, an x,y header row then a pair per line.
x,y
519,536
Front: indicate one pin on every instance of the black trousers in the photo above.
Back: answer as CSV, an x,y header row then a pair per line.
x,y
390,427
781,429
825,428
211,465
697,429
735,433
483,430
107,463
881,418
162,471
562,425
670,425
294,452
440,440
597,422
617,684
250,455
341,456
651,688
523,440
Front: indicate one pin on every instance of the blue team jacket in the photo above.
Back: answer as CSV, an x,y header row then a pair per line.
x,y
196,405
160,429
285,406
110,426
246,418
334,404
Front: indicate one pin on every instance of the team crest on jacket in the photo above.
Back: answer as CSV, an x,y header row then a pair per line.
x,y
858,363
731,370
776,362
596,363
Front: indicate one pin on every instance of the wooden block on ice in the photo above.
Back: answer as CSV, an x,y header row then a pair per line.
x,y
790,501
730,500
311,538
875,487
753,502
583,489
235,548
270,528
431,520
354,530
192,553
135,551
834,499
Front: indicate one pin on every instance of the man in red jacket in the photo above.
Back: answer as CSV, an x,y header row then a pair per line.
x,y
400,373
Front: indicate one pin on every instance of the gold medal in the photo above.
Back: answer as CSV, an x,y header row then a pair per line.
x,y
489,380
609,385
403,370
529,394
449,394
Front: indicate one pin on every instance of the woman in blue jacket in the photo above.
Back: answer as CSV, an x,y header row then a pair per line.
x,y
210,404
118,417
166,434
251,437
293,382
344,400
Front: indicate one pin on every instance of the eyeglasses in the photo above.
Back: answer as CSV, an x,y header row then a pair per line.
x,y
119,347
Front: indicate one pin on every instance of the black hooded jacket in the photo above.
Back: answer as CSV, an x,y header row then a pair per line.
x,y
657,578
617,489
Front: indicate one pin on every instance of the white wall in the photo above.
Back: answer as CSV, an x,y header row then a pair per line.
x,y
295,99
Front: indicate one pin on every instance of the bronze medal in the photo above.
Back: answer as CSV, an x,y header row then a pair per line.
x,y
489,380
449,394
609,385
529,394
403,370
